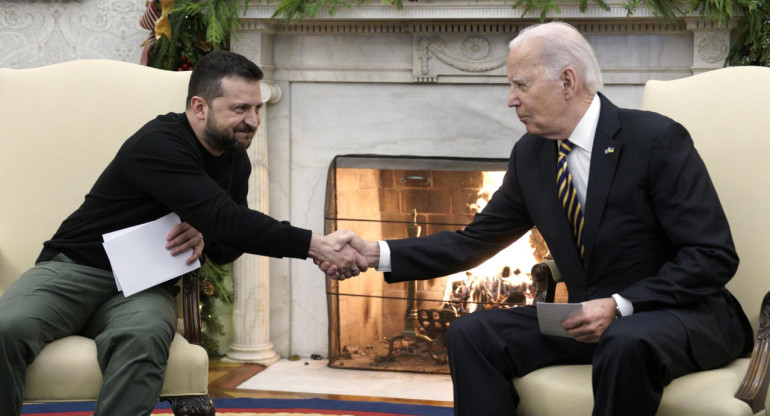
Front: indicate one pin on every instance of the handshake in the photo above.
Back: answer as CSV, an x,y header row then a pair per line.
x,y
342,254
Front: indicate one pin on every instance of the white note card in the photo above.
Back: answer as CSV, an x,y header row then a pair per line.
x,y
139,257
551,315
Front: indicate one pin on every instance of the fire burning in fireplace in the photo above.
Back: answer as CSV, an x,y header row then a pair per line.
x,y
402,326
503,280
500,282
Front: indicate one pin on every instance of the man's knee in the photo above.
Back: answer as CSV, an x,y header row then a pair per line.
x,y
466,331
627,337
154,334
155,342
18,339
629,348
134,349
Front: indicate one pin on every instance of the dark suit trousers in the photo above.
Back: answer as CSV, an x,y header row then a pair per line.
x,y
634,359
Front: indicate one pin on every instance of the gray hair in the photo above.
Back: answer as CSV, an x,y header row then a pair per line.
x,y
561,45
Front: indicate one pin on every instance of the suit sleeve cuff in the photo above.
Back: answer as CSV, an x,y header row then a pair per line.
x,y
625,306
384,265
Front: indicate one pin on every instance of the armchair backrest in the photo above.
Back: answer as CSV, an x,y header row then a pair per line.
x,y
60,126
727,112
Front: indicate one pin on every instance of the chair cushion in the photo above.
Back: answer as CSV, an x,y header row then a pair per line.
x,y
67,370
707,393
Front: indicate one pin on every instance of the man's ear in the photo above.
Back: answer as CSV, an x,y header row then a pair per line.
x,y
569,82
199,107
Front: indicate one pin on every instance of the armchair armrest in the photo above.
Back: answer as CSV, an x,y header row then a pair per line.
x,y
191,308
545,276
753,389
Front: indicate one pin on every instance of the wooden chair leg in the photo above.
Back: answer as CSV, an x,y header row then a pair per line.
x,y
191,405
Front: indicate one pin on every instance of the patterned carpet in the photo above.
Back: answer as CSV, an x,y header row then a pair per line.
x,y
263,407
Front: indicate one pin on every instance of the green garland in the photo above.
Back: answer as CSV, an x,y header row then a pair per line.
x,y
294,11
199,26
752,46
215,284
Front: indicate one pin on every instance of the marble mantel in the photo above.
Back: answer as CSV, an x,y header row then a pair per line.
x,y
453,41
426,80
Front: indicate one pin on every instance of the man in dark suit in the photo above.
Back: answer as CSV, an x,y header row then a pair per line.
x,y
656,246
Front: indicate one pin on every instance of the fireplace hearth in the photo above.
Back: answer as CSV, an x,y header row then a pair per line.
x,y
402,327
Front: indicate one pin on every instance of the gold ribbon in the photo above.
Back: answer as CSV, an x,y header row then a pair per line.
x,y
162,25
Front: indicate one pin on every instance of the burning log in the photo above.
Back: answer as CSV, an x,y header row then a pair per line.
x,y
472,292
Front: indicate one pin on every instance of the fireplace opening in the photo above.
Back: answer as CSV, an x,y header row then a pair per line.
x,y
401,327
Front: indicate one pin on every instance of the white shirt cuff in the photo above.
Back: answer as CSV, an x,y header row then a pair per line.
x,y
625,306
384,265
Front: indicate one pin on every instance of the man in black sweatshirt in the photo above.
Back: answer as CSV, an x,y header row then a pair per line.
x,y
193,164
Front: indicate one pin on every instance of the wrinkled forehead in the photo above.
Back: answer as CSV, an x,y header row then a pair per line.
x,y
241,89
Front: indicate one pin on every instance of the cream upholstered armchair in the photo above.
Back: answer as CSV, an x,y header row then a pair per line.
x,y
59,127
727,112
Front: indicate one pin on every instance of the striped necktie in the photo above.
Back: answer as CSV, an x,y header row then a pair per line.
x,y
568,195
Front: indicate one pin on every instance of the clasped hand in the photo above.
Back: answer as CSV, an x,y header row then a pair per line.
x,y
338,254
335,257
342,254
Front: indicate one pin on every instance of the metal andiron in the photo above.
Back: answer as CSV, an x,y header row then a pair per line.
x,y
434,322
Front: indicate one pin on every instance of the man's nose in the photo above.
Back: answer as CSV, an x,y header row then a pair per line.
x,y
513,99
253,120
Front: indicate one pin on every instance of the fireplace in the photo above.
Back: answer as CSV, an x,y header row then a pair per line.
x,y
402,327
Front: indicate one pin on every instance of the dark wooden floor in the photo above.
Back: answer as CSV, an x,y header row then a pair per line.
x,y
225,377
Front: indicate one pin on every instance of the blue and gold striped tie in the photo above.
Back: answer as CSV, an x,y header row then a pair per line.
x,y
568,195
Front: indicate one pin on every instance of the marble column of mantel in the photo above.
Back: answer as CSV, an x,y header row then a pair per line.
x,y
251,311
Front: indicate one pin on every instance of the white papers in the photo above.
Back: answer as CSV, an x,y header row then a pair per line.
x,y
139,257
551,315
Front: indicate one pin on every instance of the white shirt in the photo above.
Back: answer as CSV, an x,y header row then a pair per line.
x,y
579,163
579,159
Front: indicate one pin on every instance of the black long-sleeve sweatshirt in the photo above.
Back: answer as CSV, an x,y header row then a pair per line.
x,y
163,168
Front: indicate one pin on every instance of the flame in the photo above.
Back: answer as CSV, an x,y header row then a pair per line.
x,y
520,254
496,278
491,182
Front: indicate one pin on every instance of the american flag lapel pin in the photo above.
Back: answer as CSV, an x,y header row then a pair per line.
x,y
609,150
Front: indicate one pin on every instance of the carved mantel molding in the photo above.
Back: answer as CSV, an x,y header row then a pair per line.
x,y
465,42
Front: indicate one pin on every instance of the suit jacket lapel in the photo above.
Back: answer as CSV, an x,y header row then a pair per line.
x,y
604,159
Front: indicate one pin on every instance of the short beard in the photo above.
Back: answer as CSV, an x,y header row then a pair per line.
x,y
220,140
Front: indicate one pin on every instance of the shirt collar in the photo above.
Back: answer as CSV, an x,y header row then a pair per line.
x,y
583,134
